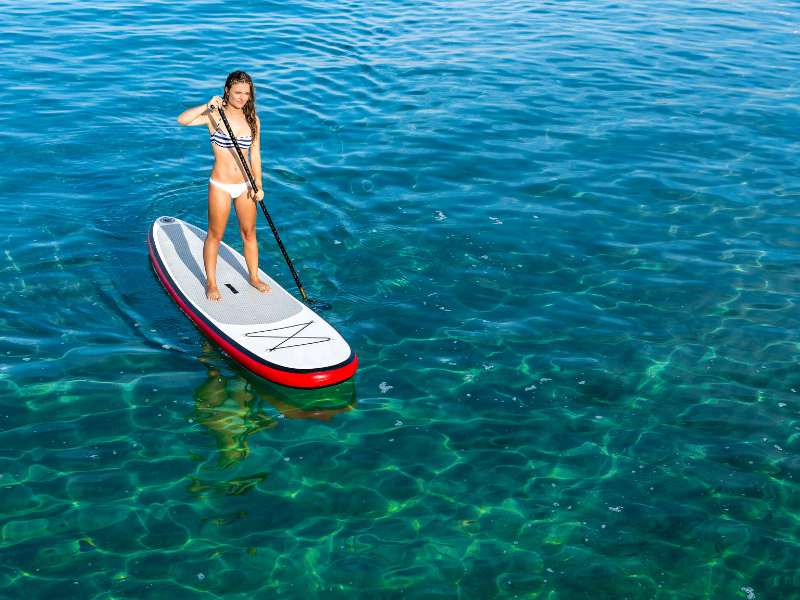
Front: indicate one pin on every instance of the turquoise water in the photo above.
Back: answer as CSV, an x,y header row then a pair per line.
x,y
561,236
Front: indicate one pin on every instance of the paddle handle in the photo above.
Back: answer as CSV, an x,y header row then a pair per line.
x,y
261,202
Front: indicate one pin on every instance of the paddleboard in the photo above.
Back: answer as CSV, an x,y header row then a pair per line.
x,y
274,335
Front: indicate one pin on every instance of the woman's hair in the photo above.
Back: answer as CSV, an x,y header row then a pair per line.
x,y
249,108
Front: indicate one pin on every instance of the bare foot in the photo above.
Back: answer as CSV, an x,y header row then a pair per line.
x,y
260,285
212,293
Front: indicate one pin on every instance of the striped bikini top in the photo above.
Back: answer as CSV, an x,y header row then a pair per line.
x,y
223,140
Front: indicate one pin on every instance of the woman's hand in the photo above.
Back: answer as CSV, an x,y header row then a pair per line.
x,y
214,103
258,196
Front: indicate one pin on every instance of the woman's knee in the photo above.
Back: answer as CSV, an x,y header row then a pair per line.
x,y
248,233
215,234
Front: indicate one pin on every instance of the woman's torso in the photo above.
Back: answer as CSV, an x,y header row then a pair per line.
x,y
227,167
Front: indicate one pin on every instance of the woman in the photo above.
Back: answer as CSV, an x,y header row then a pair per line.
x,y
228,180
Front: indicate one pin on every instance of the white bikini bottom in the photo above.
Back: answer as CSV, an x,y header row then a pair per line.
x,y
234,189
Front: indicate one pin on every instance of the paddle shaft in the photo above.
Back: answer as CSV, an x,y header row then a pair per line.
x,y
261,202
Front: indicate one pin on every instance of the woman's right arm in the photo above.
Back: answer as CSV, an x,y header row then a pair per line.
x,y
198,115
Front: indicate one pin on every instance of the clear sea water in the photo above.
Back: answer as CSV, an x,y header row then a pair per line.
x,y
563,238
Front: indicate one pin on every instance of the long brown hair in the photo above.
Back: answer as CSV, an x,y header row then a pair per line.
x,y
249,109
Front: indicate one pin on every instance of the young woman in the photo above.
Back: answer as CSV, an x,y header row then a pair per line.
x,y
228,180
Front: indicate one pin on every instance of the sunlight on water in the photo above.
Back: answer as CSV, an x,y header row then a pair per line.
x,y
561,237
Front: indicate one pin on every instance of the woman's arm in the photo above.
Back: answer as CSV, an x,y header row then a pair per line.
x,y
198,115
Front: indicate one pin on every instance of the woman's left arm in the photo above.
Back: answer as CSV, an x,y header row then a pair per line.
x,y
255,161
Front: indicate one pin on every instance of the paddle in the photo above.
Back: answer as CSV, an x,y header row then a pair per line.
x,y
264,208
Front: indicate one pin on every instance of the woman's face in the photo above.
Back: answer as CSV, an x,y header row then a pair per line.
x,y
239,94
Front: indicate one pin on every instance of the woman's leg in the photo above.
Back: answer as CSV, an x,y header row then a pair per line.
x,y
219,207
246,213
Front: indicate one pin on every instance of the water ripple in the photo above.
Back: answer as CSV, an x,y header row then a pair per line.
x,y
561,237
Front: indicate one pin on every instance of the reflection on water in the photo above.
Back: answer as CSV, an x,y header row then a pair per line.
x,y
235,407
321,405
232,487
231,414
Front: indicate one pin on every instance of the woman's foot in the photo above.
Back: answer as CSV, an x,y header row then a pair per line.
x,y
259,285
212,293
